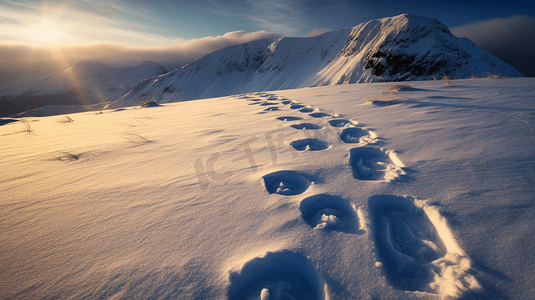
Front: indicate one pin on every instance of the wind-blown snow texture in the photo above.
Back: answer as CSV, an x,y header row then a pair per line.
x,y
399,48
426,197
85,83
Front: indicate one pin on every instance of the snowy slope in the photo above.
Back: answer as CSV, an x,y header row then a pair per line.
x,y
399,48
366,191
87,82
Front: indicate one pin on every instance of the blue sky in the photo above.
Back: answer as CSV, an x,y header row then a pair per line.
x,y
44,36
144,23
299,18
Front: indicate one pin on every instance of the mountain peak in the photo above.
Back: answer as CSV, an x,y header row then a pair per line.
x,y
149,63
398,48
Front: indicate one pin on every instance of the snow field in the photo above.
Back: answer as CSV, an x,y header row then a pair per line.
x,y
208,199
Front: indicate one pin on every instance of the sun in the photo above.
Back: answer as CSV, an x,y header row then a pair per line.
x,y
47,32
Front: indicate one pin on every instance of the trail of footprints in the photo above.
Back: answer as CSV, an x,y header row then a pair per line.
x,y
405,239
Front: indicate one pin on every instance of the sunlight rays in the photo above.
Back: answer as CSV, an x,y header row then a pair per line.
x,y
71,23
62,63
47,32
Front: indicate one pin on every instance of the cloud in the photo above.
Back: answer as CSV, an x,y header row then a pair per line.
x,y
286,17
510,39
22,62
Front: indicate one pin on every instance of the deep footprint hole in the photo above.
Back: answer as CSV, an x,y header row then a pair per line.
x,y
289,118
309,145
306,110
339,122
319,115
269,103
277,275
308,126
406,241
286,183
352,134
329,212
367,163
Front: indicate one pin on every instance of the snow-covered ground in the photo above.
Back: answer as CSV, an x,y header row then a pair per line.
x,y
338,192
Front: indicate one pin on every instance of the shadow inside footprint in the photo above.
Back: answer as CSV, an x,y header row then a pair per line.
x,y
339,122
309,126
286,102
297,106
277,275
309,145
352,134
288,118
329,213
286,183
368,163
406,241
273,108
319,115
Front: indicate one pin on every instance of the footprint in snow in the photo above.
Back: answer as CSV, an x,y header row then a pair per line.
x,y
282,275
406,241
286,183
309,145
372,163
306,110
289,118
286,102
339,122
297,106
307,126
328,212
352,135
319,115
269,103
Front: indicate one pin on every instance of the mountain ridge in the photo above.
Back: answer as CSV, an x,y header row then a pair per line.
x,y
400,48
84,83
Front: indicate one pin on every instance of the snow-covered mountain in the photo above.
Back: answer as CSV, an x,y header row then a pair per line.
x,y
399,48
85,83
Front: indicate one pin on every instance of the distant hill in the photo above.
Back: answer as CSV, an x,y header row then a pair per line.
x,y
85,83
399,48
